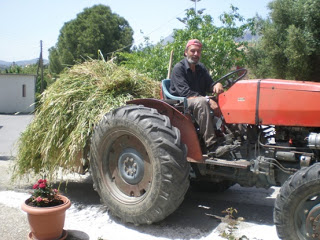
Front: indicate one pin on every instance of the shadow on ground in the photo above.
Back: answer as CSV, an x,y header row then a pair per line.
x,y
79,192
76,235
6,158
193,219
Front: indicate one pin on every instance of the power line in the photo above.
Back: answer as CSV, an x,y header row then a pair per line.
x,y
156,29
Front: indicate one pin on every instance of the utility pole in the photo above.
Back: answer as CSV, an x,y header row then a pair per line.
x,y
41,66
195,5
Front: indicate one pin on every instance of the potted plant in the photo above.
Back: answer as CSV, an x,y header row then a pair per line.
x,y
46,212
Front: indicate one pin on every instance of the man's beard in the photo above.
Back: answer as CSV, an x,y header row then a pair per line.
x,y
192,61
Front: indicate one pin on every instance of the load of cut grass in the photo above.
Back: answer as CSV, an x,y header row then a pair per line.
x,y
70,107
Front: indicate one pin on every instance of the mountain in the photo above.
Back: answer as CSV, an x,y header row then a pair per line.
x,y
248,37
4,65
168,39
22,63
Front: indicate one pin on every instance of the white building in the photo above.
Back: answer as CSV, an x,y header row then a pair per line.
x,y
17,93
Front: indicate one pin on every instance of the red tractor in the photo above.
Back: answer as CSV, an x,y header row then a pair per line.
x,y
143,156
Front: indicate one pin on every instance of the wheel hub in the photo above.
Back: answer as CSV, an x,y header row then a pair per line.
x,y
131,166
313,222
127,167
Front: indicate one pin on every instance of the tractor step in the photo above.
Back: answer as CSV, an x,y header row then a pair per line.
x,y
221,162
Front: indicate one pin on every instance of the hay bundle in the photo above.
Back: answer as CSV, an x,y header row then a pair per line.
x,y
70,107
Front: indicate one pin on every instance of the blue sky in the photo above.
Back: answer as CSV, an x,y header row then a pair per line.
x,y
25,22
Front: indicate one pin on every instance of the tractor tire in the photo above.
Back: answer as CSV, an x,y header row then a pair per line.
x,y
138,164
297,207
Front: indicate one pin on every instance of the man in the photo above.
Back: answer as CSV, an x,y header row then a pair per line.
x,y
190,79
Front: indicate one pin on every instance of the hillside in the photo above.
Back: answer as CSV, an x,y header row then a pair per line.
x,y
22,63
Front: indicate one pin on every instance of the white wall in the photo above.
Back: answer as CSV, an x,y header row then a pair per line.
x,y
11,93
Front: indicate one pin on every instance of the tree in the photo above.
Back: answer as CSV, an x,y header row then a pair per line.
x,y
96,28
55,62
14,68
220,51
290,44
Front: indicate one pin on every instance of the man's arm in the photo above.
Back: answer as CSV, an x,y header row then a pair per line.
x,y
211,87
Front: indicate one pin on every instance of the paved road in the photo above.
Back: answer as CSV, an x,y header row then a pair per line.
x,y
10,128
87,219
13,223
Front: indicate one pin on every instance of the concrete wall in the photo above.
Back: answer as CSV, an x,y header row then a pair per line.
x,y
17,93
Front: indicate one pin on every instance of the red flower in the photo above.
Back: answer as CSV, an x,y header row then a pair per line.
x,y
44,195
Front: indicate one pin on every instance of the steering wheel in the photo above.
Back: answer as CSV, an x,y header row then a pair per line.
x,y
229,81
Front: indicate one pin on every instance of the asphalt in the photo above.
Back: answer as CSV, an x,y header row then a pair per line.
x,y
13,222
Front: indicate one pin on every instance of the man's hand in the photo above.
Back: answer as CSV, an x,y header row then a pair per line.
x,y
214,106
218,88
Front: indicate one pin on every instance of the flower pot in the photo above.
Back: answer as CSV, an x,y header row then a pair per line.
x,y
46,223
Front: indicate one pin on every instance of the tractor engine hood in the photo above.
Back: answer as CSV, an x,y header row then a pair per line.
x,y
272,102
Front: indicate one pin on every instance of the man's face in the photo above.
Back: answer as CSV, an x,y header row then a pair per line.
x,y
193,54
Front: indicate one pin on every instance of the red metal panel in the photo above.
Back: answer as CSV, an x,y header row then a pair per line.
x,y
238,104
289,103
180,121
279,102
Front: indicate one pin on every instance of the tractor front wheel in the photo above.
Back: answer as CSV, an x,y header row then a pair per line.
x,y
297,207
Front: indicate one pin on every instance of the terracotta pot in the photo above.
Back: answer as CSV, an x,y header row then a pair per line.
x,y
46,223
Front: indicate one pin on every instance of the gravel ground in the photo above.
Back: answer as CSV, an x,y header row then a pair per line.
x,y
88,219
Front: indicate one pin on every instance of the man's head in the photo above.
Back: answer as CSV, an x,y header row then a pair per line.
x,y
193,51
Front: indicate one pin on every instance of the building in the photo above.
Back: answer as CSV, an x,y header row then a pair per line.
x,y
17,93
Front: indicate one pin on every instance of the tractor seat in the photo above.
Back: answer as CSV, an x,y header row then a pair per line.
x,y
168,96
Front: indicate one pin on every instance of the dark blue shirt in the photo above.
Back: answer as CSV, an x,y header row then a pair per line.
x,y
185,83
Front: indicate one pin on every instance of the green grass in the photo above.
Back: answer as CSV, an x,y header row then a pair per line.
x,y
69,109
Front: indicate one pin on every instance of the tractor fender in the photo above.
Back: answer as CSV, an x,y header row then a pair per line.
x,y
181,121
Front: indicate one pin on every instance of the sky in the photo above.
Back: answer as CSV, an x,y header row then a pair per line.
x,y
24,23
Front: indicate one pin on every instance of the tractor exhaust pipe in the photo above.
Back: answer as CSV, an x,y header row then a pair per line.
x,y
314,141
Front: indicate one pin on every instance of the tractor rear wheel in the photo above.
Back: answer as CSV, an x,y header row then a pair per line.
x,y
297,207
138,164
